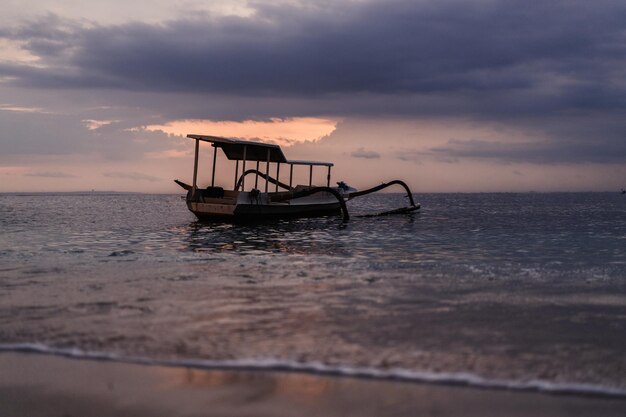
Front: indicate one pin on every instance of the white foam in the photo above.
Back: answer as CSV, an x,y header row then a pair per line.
x,y
399,374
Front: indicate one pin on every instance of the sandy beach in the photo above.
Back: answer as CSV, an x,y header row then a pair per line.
x,y
37,385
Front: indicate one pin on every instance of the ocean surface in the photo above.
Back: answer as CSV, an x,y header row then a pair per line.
x,y
520,291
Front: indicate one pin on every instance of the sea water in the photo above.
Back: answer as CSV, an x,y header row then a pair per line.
x,y
505,290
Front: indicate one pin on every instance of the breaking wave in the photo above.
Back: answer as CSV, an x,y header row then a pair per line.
x,y
318,368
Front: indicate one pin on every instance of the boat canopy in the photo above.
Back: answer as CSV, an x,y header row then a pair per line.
x,y
254,151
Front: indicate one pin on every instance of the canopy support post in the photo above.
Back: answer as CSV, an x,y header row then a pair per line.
x,y
328,177
236,174
256,176
243,170
277,175
195,168
310,175
214,159
290,175
267,170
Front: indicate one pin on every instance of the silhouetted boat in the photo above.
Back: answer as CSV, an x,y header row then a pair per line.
x,y
247,202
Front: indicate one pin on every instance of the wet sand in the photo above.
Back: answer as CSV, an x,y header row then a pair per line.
x,y
43,385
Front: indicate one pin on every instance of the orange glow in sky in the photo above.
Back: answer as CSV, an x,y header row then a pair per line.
x,y
280,131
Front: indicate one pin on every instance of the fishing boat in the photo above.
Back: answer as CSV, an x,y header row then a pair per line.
x,y
249,200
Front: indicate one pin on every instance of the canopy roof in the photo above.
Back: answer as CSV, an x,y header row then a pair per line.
x,y
255,151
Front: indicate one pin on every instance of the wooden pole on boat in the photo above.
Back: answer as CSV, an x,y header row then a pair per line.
x,y
267,170
214,159
256,177
290,175
236,174
195,168
328,177
243,170
277,175
310,175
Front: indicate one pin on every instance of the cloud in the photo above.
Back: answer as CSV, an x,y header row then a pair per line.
x,y
362,153
92,124
133,176
39,133
392,47
50,174
556,68
280,131
20,109
410,155
60,134
544,152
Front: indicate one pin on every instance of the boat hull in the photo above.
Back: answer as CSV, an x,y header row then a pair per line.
x,y
254,212
236,205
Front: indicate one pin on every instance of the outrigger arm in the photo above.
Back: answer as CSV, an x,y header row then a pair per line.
x,y
385,185
262,175
342,201
401,210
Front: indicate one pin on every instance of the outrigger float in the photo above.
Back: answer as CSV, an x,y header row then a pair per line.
x,y
247,202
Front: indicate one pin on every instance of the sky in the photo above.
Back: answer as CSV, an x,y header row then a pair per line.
x,y
448,95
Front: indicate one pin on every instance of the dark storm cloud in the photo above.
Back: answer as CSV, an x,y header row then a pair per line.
x,y
556,66
379,47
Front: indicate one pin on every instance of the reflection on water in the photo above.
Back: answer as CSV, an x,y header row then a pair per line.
x,y
307,387
508,286
298,237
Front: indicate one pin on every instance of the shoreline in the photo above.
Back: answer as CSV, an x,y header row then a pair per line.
x,y
452,379
37,384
